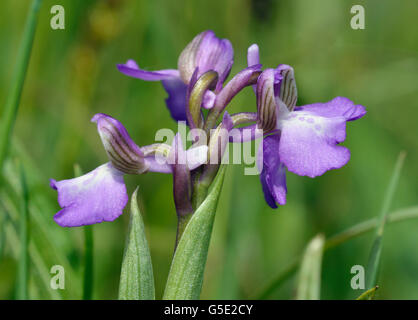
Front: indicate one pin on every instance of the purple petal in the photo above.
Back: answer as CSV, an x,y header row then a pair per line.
x,y
253,58
206,52
131,69
245,77
337,107
253,55
266,101
208,100
286,91
308,144
176,101
97,196
124,154
158,163
273,172
195,158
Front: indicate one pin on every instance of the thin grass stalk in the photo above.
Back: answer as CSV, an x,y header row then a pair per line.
x,y
12,103
23,262
374,258
334,241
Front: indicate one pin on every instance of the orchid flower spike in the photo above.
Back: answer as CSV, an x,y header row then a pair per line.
x,y
100,195
304,139
204,53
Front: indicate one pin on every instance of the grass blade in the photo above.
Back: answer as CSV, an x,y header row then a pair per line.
x,y
187,268
2,233
136,279
374,258
12,104
23,263
334,241
309,284
369,294
45,239
38,263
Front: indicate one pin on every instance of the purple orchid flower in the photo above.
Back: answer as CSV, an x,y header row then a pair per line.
x,y
100,195
304,140
204,53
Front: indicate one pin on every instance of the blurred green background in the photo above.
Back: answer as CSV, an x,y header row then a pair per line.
x,y
72,75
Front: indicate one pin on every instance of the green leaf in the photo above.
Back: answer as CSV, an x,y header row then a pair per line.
x,y
185,278
136,279
309,284
23,263
12,104
374,258
369,294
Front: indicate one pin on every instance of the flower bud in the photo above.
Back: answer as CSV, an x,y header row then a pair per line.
x,y
123,153
287,90
206,52
266,100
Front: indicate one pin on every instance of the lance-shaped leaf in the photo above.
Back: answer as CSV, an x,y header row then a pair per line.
x,y
309,283
136,279
187,268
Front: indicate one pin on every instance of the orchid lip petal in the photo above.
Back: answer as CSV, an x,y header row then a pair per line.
x,y
97,196
337,107
309,143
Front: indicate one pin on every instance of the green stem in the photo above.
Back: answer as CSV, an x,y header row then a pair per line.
x,y
12,104
182,222
333,241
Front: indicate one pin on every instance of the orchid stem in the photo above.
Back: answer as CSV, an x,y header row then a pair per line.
x,y
181,226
